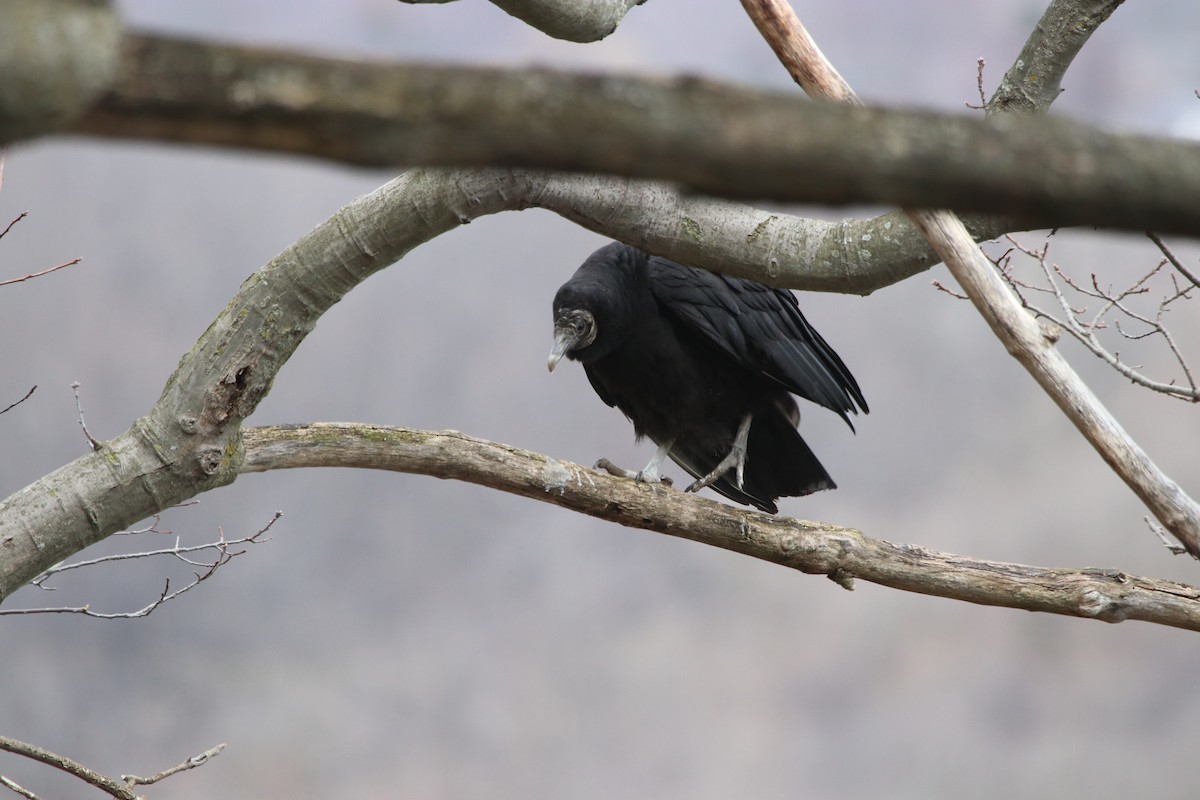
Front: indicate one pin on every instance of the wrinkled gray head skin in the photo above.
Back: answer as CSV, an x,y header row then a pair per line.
x,y
574,329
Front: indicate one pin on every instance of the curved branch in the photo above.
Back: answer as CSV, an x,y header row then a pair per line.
x,y
843,554
691,131
851,257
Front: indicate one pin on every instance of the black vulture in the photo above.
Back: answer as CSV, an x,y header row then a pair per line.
x,y
705,365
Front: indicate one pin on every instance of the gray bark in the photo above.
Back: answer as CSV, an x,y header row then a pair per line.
x,y
710,137
56,58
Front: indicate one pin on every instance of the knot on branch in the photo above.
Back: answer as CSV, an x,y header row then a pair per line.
x,y
1098,605
210,459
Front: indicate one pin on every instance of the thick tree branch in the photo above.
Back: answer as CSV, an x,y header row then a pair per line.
x,y
691,131
56,57
815,548
1035,78
852,256
572,20
1012,324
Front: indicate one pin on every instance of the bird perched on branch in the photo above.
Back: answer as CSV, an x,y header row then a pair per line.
x,y
706,366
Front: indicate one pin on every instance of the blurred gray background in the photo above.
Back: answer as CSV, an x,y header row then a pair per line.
x,y
401,636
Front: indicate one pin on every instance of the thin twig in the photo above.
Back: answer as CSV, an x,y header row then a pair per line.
x,y
1157,530
122,789
191,763
1170,256
1084,331
17,219
11,406
70,263
82,423
18,788
224,553
983,103
941,287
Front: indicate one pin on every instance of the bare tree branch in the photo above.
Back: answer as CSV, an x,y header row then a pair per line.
x,y
91,440
1175,262
572,20
1035,78
219,553
62,763
17,788
17,218
1015,328
39,274
1053,171
57,58
855,256
191,763
843,554
1024,339
11,406
122,789
980,63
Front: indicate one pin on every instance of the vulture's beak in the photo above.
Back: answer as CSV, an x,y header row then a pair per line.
x,y
573,330
564,340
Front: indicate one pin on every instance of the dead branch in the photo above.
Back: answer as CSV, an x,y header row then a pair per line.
x,y
841,553
92,442
222,551
191,763
11,406
122,789
980,63
39,274
15,219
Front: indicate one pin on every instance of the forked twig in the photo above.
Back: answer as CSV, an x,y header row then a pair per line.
x,y
1071,318
222,552
122,789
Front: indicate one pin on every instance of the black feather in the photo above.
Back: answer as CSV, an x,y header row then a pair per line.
x,y
686,354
